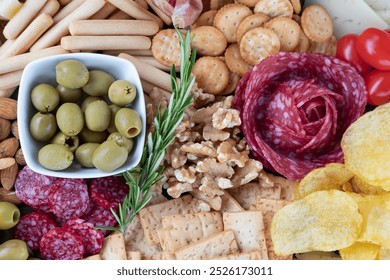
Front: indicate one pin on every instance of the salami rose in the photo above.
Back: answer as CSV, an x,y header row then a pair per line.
x,y
295,108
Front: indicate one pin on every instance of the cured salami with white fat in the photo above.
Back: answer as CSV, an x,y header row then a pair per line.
x,y
295,108
99,216
109,191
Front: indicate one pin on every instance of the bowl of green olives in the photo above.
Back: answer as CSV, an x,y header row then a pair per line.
x,y
81,115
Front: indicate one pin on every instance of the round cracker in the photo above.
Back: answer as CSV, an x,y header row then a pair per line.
x,y
211,74
274,8
287,30
249,3
258,44
316,23
328,47
296,6
235,62
208,41
205,19
250,22
218,4
303,44
229,18
234,79
166,47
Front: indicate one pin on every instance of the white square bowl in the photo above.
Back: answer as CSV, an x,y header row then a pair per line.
x,y
43,71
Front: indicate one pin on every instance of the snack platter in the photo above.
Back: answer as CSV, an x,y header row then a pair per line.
x,y
282,142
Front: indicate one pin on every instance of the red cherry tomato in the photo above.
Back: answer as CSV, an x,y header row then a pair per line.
x,y
373,47
378,87
347,51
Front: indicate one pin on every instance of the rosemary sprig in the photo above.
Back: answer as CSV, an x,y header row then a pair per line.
x,y
149,171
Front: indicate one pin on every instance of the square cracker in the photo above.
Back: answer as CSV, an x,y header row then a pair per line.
x,y
113,247
248,228
134,255
151,216
253,255
218,245
229,204
287,186
181,230
93,258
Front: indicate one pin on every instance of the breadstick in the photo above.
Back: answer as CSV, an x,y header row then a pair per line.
x,y
104,12
64,2
29,36
152,61
61,29
65,11
105,42
119,15
142,3
7,92
18,62
22,18
150,73
166,19
136,11
5,48
130,52
113,27
10,80
51,8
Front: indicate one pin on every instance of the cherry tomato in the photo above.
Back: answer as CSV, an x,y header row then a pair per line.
x,y
378,87
347,51
373,47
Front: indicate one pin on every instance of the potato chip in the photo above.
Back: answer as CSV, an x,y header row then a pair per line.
x,y
384,253
360,251
361,186
321,221
317,255
366,148
331,176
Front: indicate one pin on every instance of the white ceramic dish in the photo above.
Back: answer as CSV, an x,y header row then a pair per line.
x,y
43,71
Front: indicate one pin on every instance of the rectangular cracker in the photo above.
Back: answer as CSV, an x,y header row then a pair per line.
x,y
253,255
229,204
218,245
287,186
248,228
246,194
134,255
151,216
93,258
113,247
181,230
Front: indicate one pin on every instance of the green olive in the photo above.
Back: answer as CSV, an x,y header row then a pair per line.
x,y
14,249
70,119
43,126
114,109
55,157
89,136
97,116
122,92
72,73
109,156
128,122
88,101
70,142
45,98
122,141
68,94
98,83
84,154
9,215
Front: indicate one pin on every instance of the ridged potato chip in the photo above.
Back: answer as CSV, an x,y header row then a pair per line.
x,y
366,147
321,221
360,251
384,253
331,176
359,185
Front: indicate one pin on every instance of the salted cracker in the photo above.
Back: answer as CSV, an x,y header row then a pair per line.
x,y
234,79
249,3
248,256
166,47
229,204
274,8
218,4
208,41
328,47
205,19
303,44
218,245
250,22
257,44
234,60
93,258
288,32
297,7
287,187
113,247
229,18
134,255
316,23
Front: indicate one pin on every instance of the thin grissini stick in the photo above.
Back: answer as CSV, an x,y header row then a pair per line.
x,y
65,11
152,61
61,29
113,27
119,15
136,11
64,2
105,42
147,87
7,92
10,80
31,34
5,48
18,62
166,19
142,3
104,12
130,52
22,18
150,73
51,8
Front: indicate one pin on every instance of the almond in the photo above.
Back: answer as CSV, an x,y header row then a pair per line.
x,y
15,129
8,176
6,162
5,128
8,108
19,157
8,147
9,196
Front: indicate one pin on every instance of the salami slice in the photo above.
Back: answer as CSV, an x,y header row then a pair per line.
x,y
32,188
295,108
92,238
108,192
68,198
99,216
61,244
32,226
